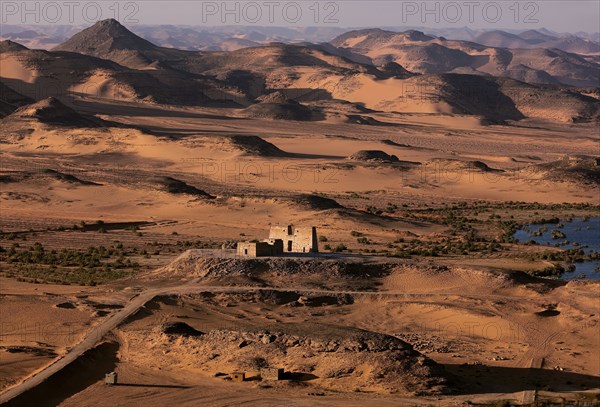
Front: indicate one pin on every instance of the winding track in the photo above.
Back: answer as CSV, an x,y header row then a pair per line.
x,y
92,338
88,342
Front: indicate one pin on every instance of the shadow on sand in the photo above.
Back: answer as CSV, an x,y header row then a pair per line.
x,y
287,376
299,376
74,378
480,379
162,386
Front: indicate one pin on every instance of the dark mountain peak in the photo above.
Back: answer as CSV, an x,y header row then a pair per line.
x,y
104,37
10,46
111,27
109,22
415,35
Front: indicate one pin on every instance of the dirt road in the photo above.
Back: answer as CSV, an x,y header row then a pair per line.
x,y
88,342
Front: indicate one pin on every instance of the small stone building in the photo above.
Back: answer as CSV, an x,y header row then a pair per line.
x,y
296,239
110,378
266,248
271,373
238,376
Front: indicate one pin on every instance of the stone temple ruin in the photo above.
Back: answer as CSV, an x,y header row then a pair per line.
x,y
272,373
282,239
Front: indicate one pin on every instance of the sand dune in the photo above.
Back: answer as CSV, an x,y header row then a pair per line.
x,y
51,111
288,110
11,100
580,169
175,186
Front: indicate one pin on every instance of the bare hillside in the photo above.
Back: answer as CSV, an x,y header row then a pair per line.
x,y
427,54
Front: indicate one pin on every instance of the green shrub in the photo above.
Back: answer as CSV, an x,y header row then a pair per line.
x,y
340,248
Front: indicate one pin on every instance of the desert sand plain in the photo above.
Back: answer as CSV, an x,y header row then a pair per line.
x,y
476,315
419,296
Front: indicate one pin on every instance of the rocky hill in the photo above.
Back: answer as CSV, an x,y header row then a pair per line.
x,y
334,357
422,53
370,68
108,39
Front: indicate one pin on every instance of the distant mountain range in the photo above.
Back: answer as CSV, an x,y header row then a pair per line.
x,y
225,38
373,69
422,53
